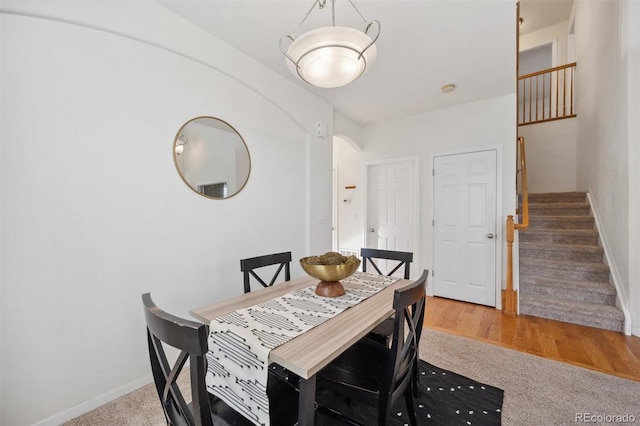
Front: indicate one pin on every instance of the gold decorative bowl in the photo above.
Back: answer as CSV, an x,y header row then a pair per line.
x,y
329,276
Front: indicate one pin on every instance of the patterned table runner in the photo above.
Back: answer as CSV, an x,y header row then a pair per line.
x,y
240,342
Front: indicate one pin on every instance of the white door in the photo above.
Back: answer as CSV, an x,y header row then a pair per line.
x,y
464,222
391,207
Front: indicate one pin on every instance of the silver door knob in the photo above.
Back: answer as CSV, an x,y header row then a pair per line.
x,y
372,230
490,236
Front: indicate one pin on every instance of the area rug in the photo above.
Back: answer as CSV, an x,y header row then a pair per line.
x,y
446,398
537,391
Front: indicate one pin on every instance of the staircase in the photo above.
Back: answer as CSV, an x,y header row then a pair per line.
x,y
562,273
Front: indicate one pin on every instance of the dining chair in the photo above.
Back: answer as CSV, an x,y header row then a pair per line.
x,y
382,333
190,338
376,375
249,265
404,258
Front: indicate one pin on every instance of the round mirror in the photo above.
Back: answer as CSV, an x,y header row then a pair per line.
x,y
211,157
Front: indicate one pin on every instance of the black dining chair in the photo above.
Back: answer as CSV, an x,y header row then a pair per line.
x,y
404,258
382,332
204,409
376,375
249,265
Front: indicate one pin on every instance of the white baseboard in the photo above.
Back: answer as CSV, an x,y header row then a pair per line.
x,y
615,275
94,403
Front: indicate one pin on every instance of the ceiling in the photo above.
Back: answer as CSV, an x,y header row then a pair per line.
x,y
423,45
537,14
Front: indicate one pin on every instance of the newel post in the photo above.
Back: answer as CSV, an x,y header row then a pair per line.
x,y
509,295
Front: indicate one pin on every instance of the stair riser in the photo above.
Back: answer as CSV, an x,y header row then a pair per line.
x,y
546,211
542,223
569,294
567,274
559,239
561,315
570,255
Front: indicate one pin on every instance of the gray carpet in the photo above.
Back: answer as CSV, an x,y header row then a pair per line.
x,y
563,274
537,391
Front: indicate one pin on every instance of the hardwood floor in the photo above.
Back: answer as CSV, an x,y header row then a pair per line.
x,y
601,350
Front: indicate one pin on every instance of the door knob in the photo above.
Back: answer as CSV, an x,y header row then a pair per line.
x,y
490,236
372,230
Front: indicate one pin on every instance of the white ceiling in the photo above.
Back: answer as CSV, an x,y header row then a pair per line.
x,y
537,14
423,45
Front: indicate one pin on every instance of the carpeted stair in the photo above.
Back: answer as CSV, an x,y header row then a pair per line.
x,y
562,272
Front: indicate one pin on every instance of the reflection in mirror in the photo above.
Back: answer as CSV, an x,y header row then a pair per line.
x,y
211,157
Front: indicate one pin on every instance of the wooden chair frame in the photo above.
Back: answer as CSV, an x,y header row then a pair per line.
x,y
247,266
403,257
191,338
401,372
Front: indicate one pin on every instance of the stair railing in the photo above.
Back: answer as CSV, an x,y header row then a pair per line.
x,y
546,95
509,295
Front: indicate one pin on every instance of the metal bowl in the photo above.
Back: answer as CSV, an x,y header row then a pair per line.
x,y
329,273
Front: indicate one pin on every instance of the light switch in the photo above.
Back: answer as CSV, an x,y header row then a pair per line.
x,y
321,130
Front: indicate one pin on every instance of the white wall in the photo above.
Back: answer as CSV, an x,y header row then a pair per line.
x,y
550,148
633,112
93,211
347,160
606,74
556,35
489,123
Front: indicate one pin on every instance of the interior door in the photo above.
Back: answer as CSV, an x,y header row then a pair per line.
x,y
464,222
390,208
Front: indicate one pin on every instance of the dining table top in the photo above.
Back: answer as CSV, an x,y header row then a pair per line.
x,y
309,352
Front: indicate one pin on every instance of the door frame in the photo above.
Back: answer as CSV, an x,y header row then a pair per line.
x,y
416,241
499,222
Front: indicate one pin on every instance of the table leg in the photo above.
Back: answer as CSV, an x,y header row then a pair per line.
x,y
307,401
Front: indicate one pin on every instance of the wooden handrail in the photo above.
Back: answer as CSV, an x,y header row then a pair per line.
x,y
533,74
525,190
509,295
546,95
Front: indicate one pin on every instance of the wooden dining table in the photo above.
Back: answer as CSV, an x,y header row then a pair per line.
x,y
308,353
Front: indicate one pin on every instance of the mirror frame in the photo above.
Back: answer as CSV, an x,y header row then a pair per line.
x,y
175,156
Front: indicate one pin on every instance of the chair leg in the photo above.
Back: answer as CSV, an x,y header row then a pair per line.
x,y
415,383
411,409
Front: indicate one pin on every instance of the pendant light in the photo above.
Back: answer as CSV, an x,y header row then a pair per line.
x,y
332,56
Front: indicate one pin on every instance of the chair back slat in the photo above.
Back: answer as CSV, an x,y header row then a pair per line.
x,y
248,267
404,258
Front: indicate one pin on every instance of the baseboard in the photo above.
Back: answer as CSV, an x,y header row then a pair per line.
x,y
613,270
94,403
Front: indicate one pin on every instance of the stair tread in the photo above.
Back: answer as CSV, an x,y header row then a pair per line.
x,y
572,306
579,232
535,245
562,218
592,286
564,264
560,205
557,194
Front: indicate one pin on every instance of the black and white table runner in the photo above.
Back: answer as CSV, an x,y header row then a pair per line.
x,y
240,342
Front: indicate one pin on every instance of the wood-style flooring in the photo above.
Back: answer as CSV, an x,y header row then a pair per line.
x,y
601,350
